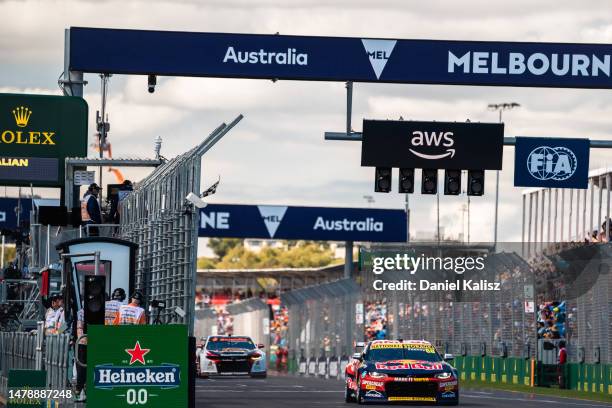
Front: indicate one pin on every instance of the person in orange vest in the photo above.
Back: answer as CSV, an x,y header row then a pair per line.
x,y
90,208
111,308
131,313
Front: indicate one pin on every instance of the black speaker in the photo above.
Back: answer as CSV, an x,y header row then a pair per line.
x,y
75,217
51,215
95,298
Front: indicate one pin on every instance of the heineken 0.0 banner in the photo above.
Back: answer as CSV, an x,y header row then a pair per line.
x,y
137,366
37,132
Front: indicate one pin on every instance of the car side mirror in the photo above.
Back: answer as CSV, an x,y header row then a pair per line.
x,y
448,357
357,356
261,346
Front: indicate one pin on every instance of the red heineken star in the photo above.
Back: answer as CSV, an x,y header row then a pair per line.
x,y
137,353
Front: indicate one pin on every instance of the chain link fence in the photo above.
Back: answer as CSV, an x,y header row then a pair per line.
x,y
326,320
157,217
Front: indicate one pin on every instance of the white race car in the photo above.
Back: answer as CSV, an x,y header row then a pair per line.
x,y
232,355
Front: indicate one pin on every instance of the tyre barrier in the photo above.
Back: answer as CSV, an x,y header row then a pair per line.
x,y
312,367
333,368
321,367
302,366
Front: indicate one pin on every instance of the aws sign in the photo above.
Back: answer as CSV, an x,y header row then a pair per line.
x,y
432,145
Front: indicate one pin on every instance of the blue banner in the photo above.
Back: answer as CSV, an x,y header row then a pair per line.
x,y
302,223
340,59
551,162
8,215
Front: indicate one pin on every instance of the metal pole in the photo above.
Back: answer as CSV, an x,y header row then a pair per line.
x,y
571,212
578,215
556,212
584,211
348,259
497,194
407,218
468,221
438,212
599,227
535,222
590,231
523,227
529,225
542,219
549,215
2,260
608,208
562,214
97,263
349,106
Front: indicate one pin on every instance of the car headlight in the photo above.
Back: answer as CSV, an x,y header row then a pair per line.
x,y
443,376
375,374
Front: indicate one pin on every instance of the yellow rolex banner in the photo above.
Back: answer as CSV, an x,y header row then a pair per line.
x,y
37,132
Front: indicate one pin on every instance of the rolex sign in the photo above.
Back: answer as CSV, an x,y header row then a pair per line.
x,y
37,132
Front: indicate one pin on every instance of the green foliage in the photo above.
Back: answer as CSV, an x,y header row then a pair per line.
x,y
302,255
206,263
221,246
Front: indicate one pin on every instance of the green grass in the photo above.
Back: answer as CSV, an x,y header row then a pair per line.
x,y
553,391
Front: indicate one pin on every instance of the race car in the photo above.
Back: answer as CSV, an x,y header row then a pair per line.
x,y
231,355
401,371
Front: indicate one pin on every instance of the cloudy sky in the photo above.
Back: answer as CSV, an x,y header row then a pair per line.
x,y
277,154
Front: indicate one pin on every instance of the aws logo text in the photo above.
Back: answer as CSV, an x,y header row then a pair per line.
x,y
442,140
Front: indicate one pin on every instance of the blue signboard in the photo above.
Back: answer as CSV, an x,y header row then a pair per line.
x,y
303,223
551,162
8,215
340,59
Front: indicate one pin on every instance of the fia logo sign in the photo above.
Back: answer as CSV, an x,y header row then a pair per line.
x,y
443,140
552,163
379,52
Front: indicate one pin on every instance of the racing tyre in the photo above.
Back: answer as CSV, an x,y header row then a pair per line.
x,y
348,394
359,395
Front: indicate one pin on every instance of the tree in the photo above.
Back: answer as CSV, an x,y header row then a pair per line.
x,y
206,263
302,255
221,246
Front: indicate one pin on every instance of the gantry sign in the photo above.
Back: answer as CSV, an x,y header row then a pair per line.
x,y
312,58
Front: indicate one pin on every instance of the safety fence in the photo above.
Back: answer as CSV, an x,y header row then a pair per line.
x,y
158,217
326,320
322,320
35,351
250,317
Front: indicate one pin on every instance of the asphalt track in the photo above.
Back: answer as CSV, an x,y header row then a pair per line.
x,y
290,391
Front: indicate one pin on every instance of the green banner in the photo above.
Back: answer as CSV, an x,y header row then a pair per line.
x,y
37,132
137,366
26,388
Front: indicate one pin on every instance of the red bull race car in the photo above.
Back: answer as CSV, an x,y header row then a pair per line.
x,y
401,371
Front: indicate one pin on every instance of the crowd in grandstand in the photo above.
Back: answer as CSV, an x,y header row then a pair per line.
x,y
376,320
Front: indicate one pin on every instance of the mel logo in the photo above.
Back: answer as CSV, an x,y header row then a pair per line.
x,y
272,217
552,163
379,52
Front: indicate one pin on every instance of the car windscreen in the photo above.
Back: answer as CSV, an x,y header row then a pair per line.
x,y
224,343
402,352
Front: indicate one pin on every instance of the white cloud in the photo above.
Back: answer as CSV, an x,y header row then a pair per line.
x,y
277,153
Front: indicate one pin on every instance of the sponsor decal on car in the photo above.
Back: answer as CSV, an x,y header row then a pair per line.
x,y
407,365
372,383
373,394
449,394
429,399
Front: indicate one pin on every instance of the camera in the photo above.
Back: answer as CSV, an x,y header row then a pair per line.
x,y
152,81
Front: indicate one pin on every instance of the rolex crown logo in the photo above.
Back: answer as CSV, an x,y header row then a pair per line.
x,y
22,116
